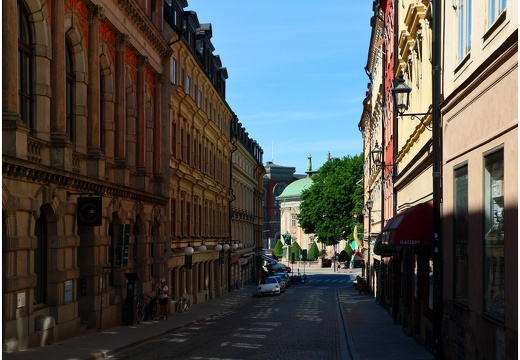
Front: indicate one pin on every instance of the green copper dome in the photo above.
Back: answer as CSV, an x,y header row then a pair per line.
x,y
295,188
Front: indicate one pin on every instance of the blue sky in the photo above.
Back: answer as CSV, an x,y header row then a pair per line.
x,y
296,73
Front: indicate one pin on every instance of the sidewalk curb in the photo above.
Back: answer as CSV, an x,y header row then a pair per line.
x,y
354,355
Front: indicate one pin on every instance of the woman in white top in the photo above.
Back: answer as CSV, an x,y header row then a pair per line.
x,y
163,299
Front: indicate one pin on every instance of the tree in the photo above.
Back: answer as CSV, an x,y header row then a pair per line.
x,y
313,252
343,256
329,204
296,250
278,249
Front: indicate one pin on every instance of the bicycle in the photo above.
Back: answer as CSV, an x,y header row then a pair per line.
x,y
182,304
139,309
151,308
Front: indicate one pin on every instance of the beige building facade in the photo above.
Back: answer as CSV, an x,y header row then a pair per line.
x,y
480,180
452,153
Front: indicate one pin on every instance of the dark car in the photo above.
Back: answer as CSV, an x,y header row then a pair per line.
x,y
278,267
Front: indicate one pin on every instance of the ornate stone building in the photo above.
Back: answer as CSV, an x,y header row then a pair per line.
x,y
276,179
246,208
82,92
117,144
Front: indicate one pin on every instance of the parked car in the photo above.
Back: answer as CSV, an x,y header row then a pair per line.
x,y
281,282
278,267
285,277
268,285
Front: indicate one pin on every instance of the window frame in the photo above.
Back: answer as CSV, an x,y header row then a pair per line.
x,y
464,13
493,276
461,227
70,90
25,62
494,10
188,85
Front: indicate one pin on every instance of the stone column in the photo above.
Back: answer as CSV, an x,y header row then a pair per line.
x,y
61,147
95,166
14,132
140,131
157,129
10,60
58,70
121,174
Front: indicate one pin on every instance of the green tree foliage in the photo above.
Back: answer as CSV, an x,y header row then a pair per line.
x,y
296,250
329,204
313,252
278,249
343,255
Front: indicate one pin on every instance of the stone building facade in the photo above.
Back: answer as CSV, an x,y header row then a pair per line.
x,y
276,179
80,124
117,144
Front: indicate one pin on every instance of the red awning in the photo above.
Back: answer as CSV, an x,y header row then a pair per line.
x,y
414,226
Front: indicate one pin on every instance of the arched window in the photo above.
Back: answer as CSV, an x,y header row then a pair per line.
x,y
102,140
70,93
25,69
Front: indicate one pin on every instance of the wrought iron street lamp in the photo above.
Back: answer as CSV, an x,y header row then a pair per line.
x,y
377,156
401,93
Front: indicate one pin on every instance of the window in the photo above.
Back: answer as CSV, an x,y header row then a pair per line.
x,y
494,266
199,99
173,79
24,66
293,220
188,85
153,11
495,8
460,235
40,259
172,217
173,139
70,90
464,28
102,111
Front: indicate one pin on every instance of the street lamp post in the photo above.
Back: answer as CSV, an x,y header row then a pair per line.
x,y
369,204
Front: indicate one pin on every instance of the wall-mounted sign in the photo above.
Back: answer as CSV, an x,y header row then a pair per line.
x,y
89,211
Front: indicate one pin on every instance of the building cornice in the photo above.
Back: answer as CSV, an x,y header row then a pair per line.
x,y
23,170
136,13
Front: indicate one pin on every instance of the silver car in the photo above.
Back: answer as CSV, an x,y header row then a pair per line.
x,y
280,281
285,277
268,285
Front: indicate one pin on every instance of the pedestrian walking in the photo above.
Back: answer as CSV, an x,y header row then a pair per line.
x,y
259,275
162,292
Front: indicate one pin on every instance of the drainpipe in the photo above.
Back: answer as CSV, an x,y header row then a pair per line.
x,y
437,193
233,137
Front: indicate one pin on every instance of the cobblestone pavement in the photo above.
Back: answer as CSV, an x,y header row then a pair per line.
x,y
332,322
